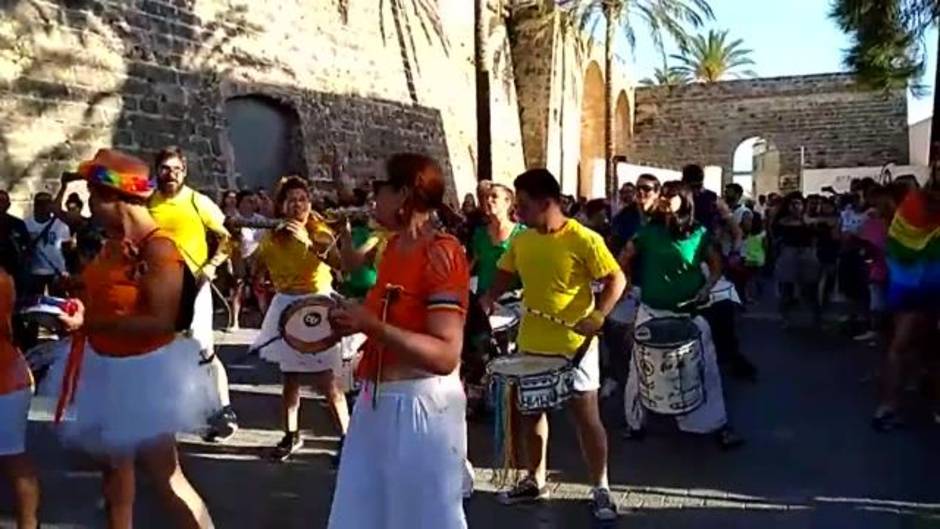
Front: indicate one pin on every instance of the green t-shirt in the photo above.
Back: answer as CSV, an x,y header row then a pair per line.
x,y
754,252
487,255
670,270
359,281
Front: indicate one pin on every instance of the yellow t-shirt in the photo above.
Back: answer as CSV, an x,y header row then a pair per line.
x,y
293,267
186,217
556,270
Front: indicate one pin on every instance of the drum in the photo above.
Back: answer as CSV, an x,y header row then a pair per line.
x,y
542,383
46,311
305,324
668,353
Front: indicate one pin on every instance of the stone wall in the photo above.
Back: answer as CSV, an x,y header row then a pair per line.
x,y
837,123
370,77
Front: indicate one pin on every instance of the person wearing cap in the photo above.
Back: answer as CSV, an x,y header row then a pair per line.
x,y
131,380
190,218
404,460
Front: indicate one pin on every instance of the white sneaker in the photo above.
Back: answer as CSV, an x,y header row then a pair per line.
x,y
866,337
468,477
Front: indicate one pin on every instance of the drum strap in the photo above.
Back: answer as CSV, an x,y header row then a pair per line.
x,y
582,350
391,294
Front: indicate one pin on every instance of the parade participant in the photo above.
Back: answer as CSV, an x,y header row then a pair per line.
x,y
361,241
557,259
404,460
248,238
15,394
296,259
130,381
669,252
228,202
797,266
490,241
189,217
913,296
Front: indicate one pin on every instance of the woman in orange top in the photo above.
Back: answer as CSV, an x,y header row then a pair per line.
x,y
135,381
16,390
403,462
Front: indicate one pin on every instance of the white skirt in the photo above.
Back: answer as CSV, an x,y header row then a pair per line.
x,y
121,404
14,409
404,461
272,347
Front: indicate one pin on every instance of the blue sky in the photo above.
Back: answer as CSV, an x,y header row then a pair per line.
x,y
789,37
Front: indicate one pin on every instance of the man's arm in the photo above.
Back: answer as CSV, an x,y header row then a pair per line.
x,y
214,221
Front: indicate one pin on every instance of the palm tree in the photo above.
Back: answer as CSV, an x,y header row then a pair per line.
x,y
888,47
711,58
484,117
666,76
669,17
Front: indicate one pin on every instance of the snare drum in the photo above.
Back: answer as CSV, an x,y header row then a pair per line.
x,y
305,324
542,383
668,353
504,322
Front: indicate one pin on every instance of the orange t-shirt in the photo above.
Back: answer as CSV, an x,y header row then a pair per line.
x,y
112,290
14,371
432,275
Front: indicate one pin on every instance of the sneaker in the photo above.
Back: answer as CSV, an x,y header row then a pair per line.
x,y
222,425
866,336
468,477
290,443
631,434
727,439
602,505
526,491
886,421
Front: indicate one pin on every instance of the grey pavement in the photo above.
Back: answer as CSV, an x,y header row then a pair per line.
x,y
811,460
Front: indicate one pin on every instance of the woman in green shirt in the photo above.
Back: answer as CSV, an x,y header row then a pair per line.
x,y
490,241
670,251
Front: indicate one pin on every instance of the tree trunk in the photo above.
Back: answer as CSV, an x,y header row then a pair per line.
x,y
484,119
935,121
610,183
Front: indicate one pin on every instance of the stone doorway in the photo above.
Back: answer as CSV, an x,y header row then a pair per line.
x,y
266,140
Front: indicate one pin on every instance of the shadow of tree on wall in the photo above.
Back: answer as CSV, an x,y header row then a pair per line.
x,y
166,69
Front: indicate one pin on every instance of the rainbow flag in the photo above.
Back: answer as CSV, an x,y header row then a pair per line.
x,y
913,255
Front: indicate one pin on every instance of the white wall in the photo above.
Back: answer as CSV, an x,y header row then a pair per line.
x,y
839,178
919,137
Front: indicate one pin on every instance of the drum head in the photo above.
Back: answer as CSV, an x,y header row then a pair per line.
x,y
46,316
503,317
667,332
524,365
305,324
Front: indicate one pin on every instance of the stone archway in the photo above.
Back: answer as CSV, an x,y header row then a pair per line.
x,y
266,140
621,124
591,166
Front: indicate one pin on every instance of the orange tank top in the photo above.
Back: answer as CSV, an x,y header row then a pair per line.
x,y
431,275
14,372
112,290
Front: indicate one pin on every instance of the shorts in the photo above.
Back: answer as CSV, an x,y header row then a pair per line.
x,y
587,374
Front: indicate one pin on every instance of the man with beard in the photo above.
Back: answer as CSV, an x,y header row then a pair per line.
x,y
190,217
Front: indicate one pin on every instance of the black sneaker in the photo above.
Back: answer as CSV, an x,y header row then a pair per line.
x,y
525,491
290,443
727,439
634,435
602,505
222,425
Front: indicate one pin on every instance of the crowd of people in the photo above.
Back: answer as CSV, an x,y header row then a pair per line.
x,y
412,286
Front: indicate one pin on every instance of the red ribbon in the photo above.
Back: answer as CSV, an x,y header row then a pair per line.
x,y
73,367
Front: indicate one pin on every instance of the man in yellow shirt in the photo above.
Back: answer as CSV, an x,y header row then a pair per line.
x,y
557,259
189,216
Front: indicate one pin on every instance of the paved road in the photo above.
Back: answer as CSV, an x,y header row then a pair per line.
x,y
811,460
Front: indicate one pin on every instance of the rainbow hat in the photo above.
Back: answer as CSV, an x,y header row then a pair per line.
x,y
119,171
